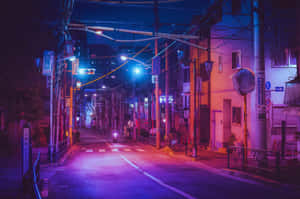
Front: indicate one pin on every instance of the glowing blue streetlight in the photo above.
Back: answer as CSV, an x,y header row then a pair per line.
x,y
123,58
99,32
81,71
137,71
78,84
72,58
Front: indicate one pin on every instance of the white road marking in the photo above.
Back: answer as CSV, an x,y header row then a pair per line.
x,y
158,181
127,149
140,150
117,145
89,150
115,150
101,150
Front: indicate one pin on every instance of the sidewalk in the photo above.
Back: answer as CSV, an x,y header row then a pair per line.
x,y
10,177
217,161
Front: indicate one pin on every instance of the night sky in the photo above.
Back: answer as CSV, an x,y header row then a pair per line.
x,y
30,27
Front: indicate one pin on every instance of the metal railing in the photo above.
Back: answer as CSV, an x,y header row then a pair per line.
x,y
267,162
36,177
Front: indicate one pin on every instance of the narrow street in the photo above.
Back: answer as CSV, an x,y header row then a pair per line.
x,y
102,169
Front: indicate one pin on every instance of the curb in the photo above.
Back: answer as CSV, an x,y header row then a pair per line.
x,y
248,176
62,159
235,174
260,179
44,182
68,154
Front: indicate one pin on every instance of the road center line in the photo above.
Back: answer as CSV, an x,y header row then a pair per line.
x,y
158,181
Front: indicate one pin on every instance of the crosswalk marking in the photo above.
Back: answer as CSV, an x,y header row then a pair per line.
x,y
89,150
116,150
140,150
127,149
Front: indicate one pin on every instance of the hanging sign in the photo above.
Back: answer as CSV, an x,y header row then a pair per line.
x,y
48,62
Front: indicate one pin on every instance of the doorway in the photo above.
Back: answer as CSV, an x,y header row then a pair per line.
x,y
226,120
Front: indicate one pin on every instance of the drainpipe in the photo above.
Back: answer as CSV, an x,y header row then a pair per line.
x,y
259,67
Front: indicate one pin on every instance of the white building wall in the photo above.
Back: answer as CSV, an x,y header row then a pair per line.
x,y
229,35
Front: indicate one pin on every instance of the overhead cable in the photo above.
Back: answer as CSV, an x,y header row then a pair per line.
x,y
164,35
136,2
117,68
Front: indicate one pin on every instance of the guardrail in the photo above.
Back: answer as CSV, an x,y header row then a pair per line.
x,y
36,177
267,162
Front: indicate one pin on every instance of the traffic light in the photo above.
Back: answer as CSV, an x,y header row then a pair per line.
x,y
86,71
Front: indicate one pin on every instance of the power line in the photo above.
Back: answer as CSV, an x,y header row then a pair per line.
x,y
136,2
117,68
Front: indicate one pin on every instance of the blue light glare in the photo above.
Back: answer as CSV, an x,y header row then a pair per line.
x,y
81,71
137,71
73,58
123,58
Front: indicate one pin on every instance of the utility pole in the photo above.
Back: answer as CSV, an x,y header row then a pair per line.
x,y
51,141
209,82
71,114
259,68
134,110
167,96
245,129
71,109
157,112
58,118
194,132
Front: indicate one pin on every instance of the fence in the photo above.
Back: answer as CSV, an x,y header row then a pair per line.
x,y
269,163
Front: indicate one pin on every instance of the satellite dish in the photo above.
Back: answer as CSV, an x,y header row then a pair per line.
x,y
243,81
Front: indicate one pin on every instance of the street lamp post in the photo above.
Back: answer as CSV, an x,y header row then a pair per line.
x,y
125,58
157,112
167,97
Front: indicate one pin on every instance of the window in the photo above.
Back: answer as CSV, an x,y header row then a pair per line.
x,y
220,64
236,115
236,60
286,58
186,75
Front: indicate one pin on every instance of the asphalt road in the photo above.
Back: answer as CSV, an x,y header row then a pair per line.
x,y
102,169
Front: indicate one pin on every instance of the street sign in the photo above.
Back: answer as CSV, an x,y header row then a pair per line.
x,y
48,83
268,85
156,65
279,88
86,71
75,65
26,150
259,93
244,81
154,78
48,62
68,102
